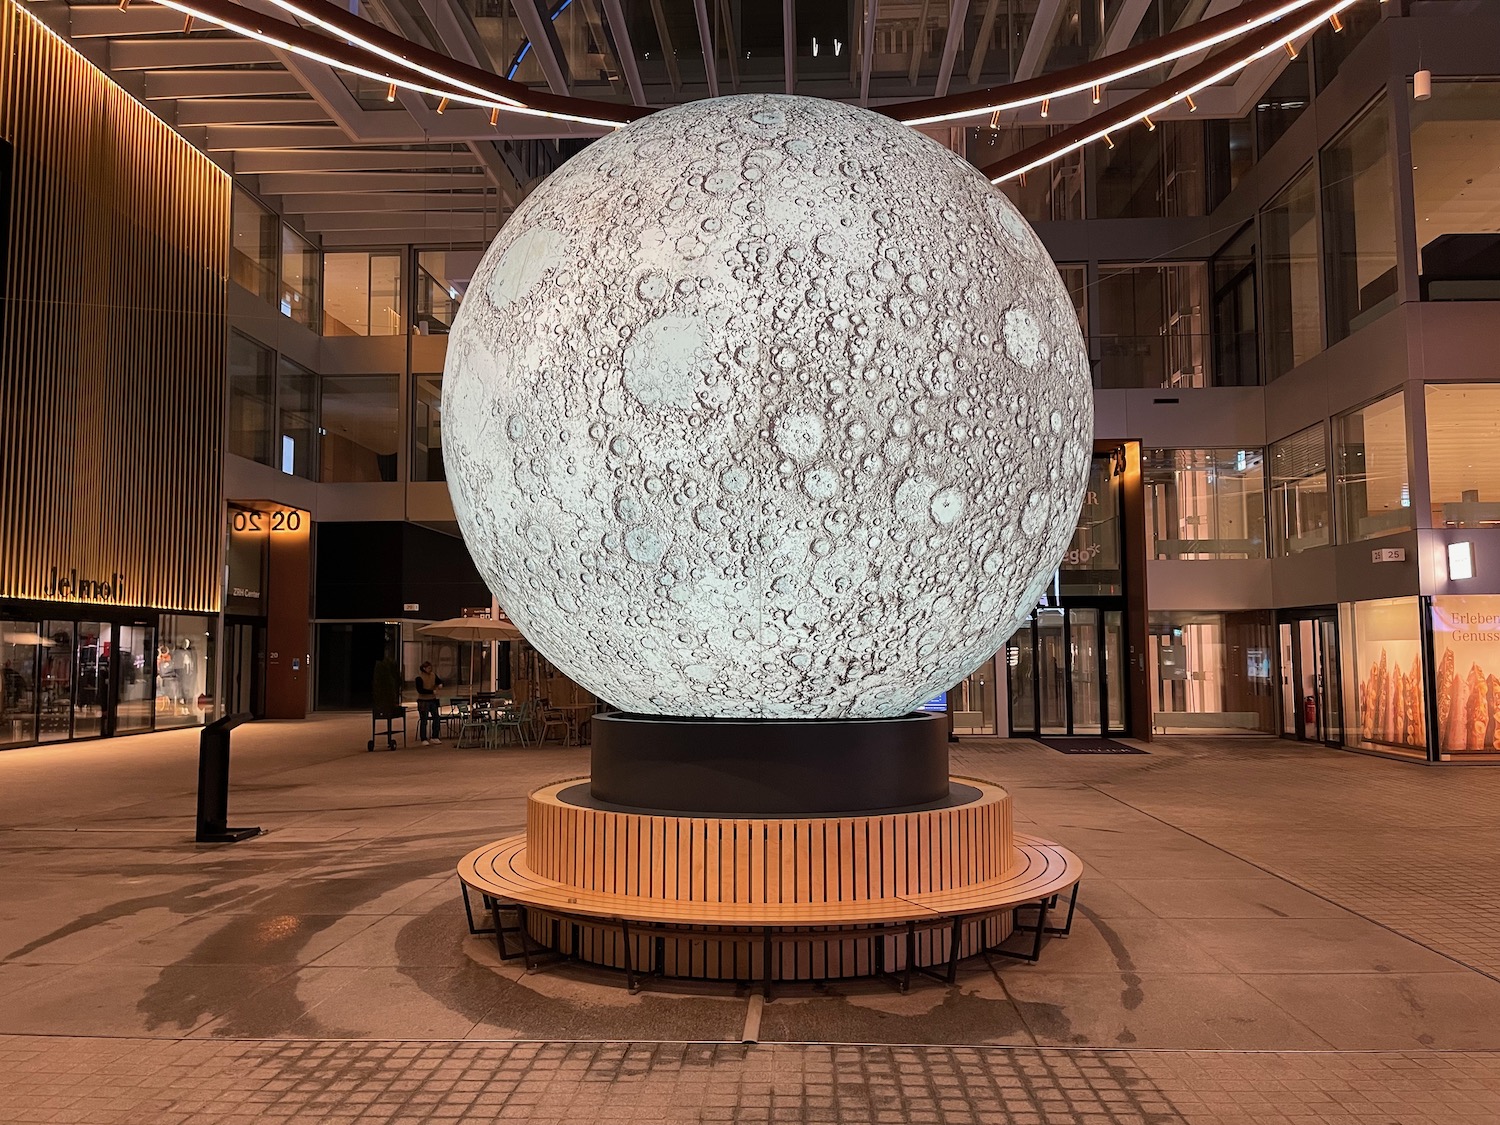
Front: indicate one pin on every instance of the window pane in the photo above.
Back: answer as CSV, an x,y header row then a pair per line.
x,y
1464,476
1091,564
1210,672
1382,663
1454,135
21,646
1299,492
251,399
1049,193
361,294
135,653
1289,244
184,671
427,429
1466,647
359,419
1205,503
1230,154
1370,459
56,682
442,278
298,427
1330,49
254,230
1282,104
1150,173
1151,330
1076,278
1359,224
299,279
1236,363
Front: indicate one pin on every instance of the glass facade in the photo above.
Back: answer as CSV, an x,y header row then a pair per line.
x,y
362,294
1152,330
441,279
301,280
254,232
1299,508
252,399
185,671
297,419
427,428
1236,345
1205,503
1289,268
1359,224
1466,653
1211,672
1050,194
359,417
1463,474
1371,476
1381,643
1457,212
1150,173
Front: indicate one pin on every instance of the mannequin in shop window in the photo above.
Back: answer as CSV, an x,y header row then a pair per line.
x,y
166,677
184,659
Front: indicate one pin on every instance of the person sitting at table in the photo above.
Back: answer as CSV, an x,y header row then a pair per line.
x,y
427,704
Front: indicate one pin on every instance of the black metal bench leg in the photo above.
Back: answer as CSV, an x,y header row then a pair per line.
x,y
765,962
1067,927
911,955
468,909
953,944
1041,931
629,961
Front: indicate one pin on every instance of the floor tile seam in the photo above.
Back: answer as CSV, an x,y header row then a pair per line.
x,y
1414,1054
1305,889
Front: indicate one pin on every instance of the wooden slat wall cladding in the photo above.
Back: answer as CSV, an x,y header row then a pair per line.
x,y
770,860
112,359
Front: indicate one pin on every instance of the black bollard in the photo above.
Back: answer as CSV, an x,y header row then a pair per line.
x,y
213,784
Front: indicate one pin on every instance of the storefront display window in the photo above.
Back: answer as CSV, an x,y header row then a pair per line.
x,y
185,668
1299,492
1152,329
1381,643
359,427
1205,503
1211,672
1359,224
135,653
1289,273
21,646
251,399
1463,473
427,428
1371,474
1458,227
1466,649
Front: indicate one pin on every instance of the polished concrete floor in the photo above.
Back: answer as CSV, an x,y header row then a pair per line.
x,y
1267,933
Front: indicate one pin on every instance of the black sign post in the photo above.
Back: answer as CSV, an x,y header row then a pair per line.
x,y
213,784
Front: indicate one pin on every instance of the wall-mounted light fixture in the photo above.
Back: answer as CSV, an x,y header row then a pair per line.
x,y
1460,561
1421,85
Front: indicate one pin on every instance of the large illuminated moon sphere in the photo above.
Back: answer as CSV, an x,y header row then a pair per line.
x,y
766,406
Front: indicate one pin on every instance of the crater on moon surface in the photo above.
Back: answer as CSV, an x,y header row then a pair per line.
x,y
767,406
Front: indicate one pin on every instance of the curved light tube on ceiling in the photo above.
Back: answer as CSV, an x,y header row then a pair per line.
x,y
1158,99
472,86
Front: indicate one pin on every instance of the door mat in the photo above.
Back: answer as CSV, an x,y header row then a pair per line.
x,y
1088,744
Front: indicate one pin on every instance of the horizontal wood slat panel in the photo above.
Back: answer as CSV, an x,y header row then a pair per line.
x,y
770,859
112,360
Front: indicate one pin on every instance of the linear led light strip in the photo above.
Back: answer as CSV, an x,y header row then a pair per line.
x,y
1094,83
488,100
392,56
1123,117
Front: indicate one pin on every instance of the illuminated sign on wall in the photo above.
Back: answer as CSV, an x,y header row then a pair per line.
x,y
67,586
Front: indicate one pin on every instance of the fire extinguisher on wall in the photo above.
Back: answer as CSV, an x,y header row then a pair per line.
x,y
1309,711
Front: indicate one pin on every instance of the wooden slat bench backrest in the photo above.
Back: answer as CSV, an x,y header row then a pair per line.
x,y
769,859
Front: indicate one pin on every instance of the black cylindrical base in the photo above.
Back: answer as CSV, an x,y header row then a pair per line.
x,y
769,766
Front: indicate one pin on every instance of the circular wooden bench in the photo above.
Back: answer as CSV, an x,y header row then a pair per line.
x,y
1040,873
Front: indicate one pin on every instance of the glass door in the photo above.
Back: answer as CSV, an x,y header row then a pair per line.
x,y
135,667
1020,667
1114,671
1052,670
1308,659
1289,710
1330,710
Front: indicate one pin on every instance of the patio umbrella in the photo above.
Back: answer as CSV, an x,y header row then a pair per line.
x,y
472,629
